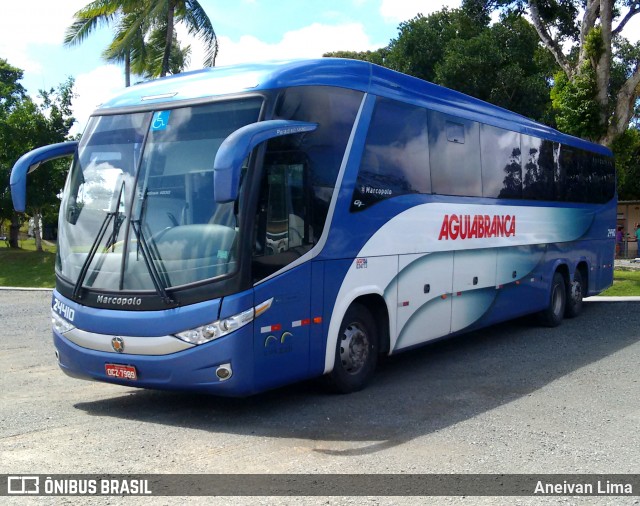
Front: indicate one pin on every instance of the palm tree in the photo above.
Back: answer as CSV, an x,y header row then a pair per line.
x,y
166,13
141,27
129,33
128,45
150,66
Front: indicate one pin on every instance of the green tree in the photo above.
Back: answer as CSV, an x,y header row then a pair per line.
x,y
597,63
143,29
12,93
25,125
422,41
627,150
501,63
378,57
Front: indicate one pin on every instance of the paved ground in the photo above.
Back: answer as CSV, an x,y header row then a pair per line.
x,y
511,399
629,264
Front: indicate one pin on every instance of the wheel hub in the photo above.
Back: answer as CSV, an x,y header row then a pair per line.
x,y
557,300
576,291
354,348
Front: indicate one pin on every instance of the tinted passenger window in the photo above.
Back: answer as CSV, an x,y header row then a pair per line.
x,y
570,180
539,163
585,176
501,163
396,157
600,178
454,154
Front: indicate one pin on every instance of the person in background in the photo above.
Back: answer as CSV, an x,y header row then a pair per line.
x,y
619,242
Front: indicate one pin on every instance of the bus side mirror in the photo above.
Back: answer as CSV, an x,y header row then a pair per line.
x,y
235,148
29,162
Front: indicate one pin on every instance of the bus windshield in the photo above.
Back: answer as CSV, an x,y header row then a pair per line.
x,y
138,209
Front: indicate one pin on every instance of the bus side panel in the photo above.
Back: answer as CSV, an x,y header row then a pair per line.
x,y
513,270
334,274
317,339
281,334
601,243
474,282
466,289
514,298
424,304
605,261
517,263
606,255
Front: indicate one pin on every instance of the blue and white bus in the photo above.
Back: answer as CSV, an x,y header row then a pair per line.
x,y
236,229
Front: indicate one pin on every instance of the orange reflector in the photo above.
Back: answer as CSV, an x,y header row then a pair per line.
x,y
317,319
444,296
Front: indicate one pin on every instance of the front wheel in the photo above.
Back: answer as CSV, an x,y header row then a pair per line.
x,y
356,351
553,314
574,297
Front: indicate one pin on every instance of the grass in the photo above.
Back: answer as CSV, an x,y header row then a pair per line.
x,y
625,283
26,267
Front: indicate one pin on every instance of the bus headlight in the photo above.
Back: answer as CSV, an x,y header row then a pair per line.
x,y
59,324
214,330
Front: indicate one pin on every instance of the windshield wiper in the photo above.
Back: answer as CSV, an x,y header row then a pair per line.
x,y
156,279
92,252
114,213
147,254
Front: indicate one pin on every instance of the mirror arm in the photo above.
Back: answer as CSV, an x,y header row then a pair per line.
x,y
235,148
29,162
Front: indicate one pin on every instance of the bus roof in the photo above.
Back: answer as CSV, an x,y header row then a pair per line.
x,y
352,74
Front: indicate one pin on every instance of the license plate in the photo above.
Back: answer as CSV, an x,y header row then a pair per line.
x,y
125,372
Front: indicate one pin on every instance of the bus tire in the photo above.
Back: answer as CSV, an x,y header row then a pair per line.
x,y
575,293
553,314
356,353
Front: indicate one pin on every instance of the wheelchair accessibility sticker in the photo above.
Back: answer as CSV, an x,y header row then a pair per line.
x,y
160,120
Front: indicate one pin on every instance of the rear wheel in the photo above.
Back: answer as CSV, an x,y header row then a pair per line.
x,y
574,296
356,351
553,314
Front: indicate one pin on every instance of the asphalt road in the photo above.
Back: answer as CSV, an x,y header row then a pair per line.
x,y
514,398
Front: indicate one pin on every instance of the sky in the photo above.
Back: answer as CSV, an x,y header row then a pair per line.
x,y
32,31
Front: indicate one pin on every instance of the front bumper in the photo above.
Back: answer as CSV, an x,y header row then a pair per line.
x,y
193,369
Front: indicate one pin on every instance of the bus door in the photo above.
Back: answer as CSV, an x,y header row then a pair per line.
x,y
283,234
